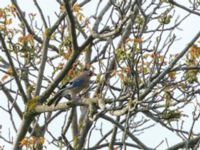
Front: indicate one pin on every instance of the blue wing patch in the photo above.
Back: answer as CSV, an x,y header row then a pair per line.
x,y
75,84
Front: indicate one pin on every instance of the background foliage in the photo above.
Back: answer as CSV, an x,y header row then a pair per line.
x,y
145,83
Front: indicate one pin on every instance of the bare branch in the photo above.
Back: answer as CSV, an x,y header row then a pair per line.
x,y
13,69
183,7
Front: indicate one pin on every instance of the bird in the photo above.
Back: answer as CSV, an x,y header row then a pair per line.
x,y
72,88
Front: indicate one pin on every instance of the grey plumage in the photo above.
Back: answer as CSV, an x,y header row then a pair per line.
x,y
74,87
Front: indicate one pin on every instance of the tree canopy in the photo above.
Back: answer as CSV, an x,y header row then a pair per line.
x,y
146,89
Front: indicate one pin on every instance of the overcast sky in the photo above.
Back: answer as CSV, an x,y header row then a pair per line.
x,y
190,27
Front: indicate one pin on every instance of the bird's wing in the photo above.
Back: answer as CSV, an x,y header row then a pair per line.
x,y
75,84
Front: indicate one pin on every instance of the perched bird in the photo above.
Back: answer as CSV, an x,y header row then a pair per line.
x,y
74,87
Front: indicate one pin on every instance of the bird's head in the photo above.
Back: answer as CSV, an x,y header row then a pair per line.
x,y
90,73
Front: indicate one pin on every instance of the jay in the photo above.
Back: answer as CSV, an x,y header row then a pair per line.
x,y
73,87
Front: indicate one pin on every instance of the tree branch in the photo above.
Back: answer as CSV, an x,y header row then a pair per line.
x,y
191,143
183,7
171,65
41,13
14,72
43,63
72,25
12,101
31,31
142,145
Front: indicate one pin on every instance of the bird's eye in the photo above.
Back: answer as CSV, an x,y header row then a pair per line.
x,y
70,83
90,73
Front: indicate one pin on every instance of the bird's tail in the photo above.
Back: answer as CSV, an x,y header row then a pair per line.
x,y
58,96
55,99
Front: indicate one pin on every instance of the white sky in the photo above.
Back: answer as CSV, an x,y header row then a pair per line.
x,y
191,26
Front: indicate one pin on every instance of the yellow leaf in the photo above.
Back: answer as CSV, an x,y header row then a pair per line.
x,y
195,51
76,8
2,27
32,103
8,21
9,71
172,75
81,17
68,53
46,32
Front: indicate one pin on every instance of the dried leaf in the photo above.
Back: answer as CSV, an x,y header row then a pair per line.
x,y
4,77
70,73
8,21
62,8
25,39
12,9
33,140
76,8
114,72
116,148
1,14
172,75
67,54
195,51
138,40
41,140
24,142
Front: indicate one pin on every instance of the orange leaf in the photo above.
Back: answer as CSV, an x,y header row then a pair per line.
x,y
34,140
9,72
138,40
27,38
24,142
70,73
1,14
4,77
121,75
41,140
